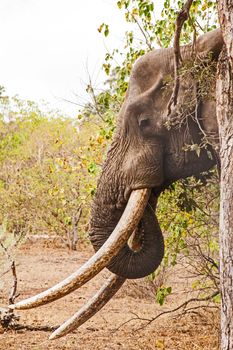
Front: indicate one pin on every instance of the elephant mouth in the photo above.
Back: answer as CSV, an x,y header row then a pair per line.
x,y
130,223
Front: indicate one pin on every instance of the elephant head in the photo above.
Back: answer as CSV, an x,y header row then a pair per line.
x,y
148,152
145,153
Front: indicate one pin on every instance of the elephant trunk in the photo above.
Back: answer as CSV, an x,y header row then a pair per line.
x,y
137,259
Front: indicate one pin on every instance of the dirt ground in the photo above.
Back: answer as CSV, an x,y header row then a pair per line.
x,y
39,267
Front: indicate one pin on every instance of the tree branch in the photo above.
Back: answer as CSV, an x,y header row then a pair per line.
x,y
181,18
144,33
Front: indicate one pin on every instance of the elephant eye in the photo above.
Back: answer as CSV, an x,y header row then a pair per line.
x,y
143,122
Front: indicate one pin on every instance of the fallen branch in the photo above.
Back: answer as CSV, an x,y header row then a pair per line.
x,y
8,321
7,318
18,327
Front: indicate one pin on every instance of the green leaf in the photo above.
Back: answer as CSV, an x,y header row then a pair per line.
x,y
162,294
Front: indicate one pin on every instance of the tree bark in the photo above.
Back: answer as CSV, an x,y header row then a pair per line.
x,y
224,105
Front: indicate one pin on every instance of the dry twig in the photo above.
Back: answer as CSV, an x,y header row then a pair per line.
x,y
182,306
13,293
142,30
7,316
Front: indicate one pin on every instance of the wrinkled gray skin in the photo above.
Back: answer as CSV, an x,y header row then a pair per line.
x,y
146,154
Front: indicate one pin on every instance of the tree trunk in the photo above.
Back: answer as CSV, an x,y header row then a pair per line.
x,y
224,104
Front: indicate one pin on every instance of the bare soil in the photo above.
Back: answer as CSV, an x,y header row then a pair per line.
x,y
39,267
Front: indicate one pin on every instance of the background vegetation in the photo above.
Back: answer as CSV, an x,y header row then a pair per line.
x,y
49,164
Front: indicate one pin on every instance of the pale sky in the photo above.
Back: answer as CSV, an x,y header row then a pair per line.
x,y
48,45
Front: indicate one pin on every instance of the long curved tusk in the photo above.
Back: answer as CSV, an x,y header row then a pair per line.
x,y
126,225
96,303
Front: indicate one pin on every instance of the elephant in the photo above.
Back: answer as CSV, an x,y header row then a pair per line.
x,y
147,154
151,149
